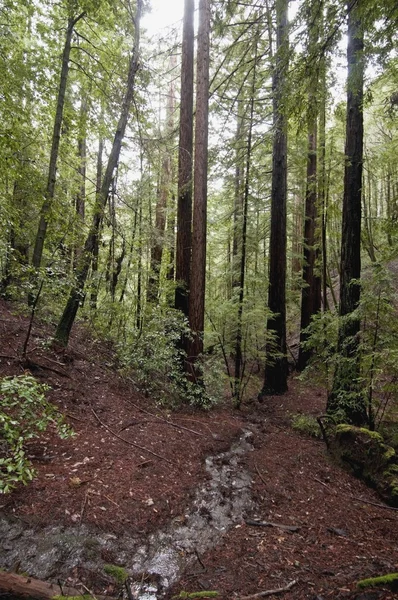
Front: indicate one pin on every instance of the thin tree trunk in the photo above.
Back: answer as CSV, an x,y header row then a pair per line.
x,y
94,265
80,199
237,392
77,293
322,191
198,267
52,171
238,199
311,290
184,207
276,368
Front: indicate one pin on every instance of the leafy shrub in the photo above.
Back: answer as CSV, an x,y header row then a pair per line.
x,y
24,414
154,358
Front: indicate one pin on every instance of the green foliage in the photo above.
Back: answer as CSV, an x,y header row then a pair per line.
x,y
376,350
154,358
119,574
24,414
307,425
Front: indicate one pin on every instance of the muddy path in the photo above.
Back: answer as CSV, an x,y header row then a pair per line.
x,y
54,552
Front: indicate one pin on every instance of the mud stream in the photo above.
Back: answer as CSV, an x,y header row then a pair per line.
x,y
219,503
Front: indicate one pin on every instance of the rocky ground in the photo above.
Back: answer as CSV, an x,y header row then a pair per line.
x,y
272,513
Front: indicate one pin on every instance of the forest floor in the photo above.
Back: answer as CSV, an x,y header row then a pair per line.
x,y
329,530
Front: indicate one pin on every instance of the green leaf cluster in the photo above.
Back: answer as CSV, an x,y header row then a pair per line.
x,y
24,414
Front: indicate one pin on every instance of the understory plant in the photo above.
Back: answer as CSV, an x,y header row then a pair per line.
x,y
376,355
24,414
153,358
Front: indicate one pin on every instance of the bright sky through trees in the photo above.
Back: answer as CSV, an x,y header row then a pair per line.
x,y
163,14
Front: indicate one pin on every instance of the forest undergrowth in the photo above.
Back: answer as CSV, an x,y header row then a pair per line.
x,y
132,465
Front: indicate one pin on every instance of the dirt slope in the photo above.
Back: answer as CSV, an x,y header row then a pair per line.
x,y
147,479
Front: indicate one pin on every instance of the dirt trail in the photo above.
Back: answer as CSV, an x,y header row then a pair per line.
x,y
104,486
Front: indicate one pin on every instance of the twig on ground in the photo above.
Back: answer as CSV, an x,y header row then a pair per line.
x,y
291,528
270,592
321,482
33,363
73,417
119,437
259,474
83,507
199,559
147,412
385,506
89,591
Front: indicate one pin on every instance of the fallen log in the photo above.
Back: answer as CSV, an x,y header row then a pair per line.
x,y
27,588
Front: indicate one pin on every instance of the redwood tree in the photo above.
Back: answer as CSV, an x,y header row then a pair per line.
x,y
198,265
184,208
276,368
346,394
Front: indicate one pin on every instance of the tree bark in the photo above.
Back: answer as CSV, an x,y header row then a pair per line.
x,y
158,244
26,588
76,295
198,267
276,367
184,203
346,394
311,289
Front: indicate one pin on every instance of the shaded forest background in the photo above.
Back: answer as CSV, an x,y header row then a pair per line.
x,y
213,204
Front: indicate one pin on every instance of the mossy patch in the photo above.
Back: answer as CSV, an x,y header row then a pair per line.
x,y
369,458
119,574
390,581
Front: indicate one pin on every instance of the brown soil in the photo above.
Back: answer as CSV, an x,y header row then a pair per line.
x,y
140,483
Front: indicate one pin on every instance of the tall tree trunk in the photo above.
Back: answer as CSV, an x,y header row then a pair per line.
x,y
238,198
77,293
184,207
80,198
311,290
238,344
276,367
52,170
346,393
322,182
161,205
94,265
198,267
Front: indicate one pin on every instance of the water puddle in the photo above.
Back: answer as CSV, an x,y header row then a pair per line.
x,y
219,504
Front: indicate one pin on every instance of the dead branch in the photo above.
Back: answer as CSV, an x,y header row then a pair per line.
x,y
26,588
270,592
385,506
28,363
147,412
259,474
119,437
291,528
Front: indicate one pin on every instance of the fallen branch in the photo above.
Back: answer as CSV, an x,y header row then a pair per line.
x,y
119,437
259,474
147,412
385,506
270,592
27,588
28,363
291,528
